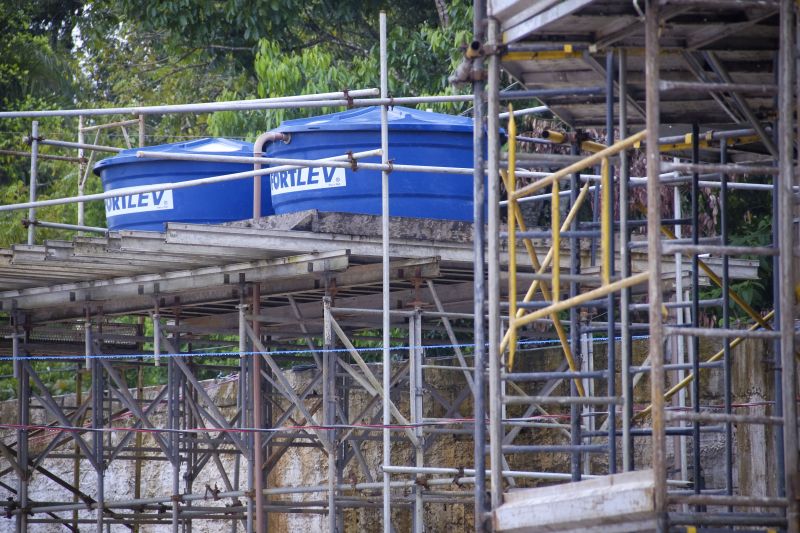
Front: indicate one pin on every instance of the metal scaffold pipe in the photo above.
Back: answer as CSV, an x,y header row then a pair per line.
x,y
79,145
58,225
656,342
173,185
33,178
523,112
495,354
787,239
555,476
81,165
348,99
385,274
478,250
389,167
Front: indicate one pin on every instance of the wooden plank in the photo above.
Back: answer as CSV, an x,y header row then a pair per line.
x,y
619,502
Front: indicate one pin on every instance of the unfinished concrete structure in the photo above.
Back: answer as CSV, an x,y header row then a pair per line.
x,y
723,72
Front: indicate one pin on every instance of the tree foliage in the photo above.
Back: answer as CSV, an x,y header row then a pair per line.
x,y
99,53
341,51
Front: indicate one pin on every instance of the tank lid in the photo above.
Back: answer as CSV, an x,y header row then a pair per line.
x,y
209,145
369,119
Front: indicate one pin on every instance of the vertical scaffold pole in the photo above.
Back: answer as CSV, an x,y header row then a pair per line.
x,y
609,265
415,392
694,340
329,407
785,193
479,289
23,419
726,320
156,335
173,422
87,349
387,353
493,260
81,170
776,296
245,364
258,459
625,296
34,177
575,321
98,387
652,65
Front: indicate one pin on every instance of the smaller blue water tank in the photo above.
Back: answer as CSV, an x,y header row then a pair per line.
x,y
204,204
415,137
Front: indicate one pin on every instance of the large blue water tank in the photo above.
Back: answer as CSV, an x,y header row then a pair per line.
x,y
203,204
415,137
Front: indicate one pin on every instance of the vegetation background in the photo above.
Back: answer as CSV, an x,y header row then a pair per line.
x,y
103,53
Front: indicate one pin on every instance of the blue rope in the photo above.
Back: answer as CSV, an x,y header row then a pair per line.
x,y
306,351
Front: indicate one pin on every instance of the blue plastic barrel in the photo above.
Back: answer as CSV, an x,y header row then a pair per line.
x,y
203,204
415,137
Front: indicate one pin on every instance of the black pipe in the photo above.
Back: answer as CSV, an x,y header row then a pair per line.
x,y
479,327
695,314
547,234
639,223
545,376
540,305
611,347
776,298
574,322
539,93
726,322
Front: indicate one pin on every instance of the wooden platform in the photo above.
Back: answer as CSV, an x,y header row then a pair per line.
x,y
609,504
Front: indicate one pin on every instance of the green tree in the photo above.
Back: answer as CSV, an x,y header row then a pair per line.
x,y
317,57
100,53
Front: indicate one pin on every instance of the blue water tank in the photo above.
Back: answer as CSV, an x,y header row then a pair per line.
x,y
415,137
203,204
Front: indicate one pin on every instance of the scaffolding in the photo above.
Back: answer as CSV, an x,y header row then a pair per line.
x,y
662,69
572,354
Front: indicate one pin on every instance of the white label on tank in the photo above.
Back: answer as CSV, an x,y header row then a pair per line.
x,y
307,179
139,203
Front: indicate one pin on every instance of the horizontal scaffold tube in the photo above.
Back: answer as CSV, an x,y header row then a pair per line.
x,y
59,225
176,185
444,471
349,100
69,144
122,504
205,107
305,162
